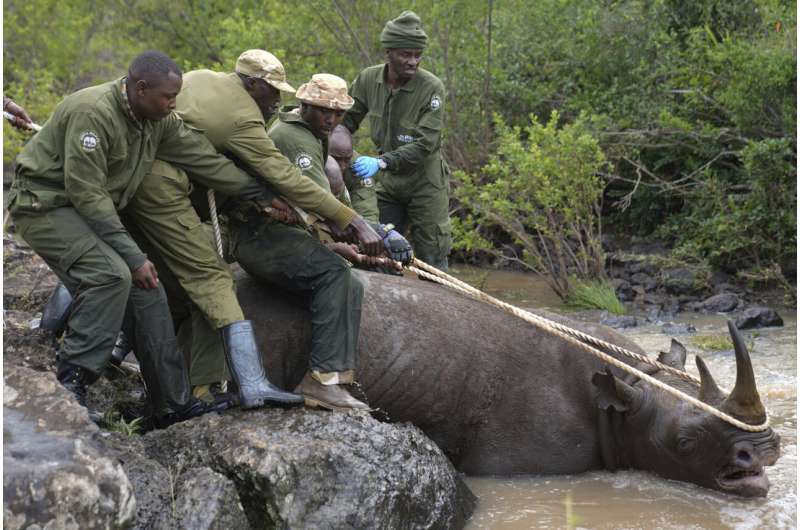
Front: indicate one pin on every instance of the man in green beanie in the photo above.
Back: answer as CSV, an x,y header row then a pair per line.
x,y
405,107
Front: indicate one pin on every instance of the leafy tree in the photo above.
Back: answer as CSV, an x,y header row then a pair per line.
x,y
542,189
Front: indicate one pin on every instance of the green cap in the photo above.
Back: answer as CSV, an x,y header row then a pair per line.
x,y
404,32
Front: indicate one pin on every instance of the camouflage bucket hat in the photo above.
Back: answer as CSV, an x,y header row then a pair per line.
x,y
325,90
263,65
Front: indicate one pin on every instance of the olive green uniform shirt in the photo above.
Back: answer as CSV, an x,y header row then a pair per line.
x,y
219,105
293,137
92,154
405,123
406,127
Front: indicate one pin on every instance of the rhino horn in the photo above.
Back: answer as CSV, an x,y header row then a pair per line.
x,y
709,391
743,402
675,357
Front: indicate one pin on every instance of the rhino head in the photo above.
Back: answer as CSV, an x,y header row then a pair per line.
x,y
644,427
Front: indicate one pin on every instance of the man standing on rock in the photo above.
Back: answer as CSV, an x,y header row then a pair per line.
x,y
232,110
71,180
405,107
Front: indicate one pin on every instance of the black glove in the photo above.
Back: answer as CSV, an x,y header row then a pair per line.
x,y
396,245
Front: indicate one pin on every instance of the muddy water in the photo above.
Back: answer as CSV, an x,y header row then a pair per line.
x,y
639,500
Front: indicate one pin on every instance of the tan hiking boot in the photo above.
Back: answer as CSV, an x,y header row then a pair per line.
x,y
331,397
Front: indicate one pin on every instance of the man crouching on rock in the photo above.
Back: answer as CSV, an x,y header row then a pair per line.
x,y
71,181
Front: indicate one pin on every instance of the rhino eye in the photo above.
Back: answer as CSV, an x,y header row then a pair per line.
x,y
686,445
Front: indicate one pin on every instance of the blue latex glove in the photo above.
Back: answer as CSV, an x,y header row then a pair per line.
x,y
396,245
366,167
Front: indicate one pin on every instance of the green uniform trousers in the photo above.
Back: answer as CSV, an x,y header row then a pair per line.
x,y
163,213
423,207
292,259
105,302
198,341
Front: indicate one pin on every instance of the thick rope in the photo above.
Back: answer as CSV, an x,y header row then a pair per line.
x,y
574,337
212,207
546,322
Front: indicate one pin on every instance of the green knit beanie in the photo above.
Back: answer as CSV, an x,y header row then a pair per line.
x,y
404,32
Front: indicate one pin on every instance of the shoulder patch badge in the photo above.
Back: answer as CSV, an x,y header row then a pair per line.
x,y
89,141
436,102
303,161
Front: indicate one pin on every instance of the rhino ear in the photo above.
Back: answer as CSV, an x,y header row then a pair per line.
x,y
614,393
675,357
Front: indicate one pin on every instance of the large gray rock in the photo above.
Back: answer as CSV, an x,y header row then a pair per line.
x,y
681,280
721,303
623,289
307,469
758,317
245,469
207,500
55,470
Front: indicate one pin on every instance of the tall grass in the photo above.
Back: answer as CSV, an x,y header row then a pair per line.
x,y
594,295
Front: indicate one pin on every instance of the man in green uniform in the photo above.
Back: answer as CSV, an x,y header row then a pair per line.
x,y
362,193
232,109
404,105
302,137
71,180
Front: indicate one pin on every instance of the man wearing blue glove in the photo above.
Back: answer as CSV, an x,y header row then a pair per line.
x,y
303,136
406,115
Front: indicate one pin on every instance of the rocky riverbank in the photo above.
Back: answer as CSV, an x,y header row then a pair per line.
x,y
656,287
268,468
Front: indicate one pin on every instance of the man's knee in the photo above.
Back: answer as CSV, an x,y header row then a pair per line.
x,y
150,299
108,272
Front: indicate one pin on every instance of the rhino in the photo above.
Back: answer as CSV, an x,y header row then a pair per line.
x,y
502,397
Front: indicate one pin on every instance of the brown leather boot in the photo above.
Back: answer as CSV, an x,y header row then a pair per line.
x,y
331,397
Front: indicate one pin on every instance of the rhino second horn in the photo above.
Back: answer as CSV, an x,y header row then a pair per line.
x,y
709,391
676,357
743,402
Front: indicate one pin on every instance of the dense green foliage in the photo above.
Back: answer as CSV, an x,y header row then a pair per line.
x,y
692,102
543,191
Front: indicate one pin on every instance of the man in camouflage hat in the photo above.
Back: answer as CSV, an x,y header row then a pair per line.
x,y
302,136
232,110
405,107
72,180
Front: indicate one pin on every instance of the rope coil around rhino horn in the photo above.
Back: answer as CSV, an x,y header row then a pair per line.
x,y
577,337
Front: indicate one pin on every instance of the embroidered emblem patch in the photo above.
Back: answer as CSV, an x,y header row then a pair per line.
x,y
303,161
436,102
89,141
405,138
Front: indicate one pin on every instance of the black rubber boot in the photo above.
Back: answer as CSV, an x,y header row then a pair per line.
x,y
76,379
244,362
193,409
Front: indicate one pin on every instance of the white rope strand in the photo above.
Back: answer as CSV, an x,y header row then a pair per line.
x,y
574,337
212,207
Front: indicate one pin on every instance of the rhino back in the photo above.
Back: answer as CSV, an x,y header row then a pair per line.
x,y
497,394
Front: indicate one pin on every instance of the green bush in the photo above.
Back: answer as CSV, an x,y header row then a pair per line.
x,y
541,188
740,227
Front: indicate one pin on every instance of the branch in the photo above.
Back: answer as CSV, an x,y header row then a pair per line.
x,y
358,43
